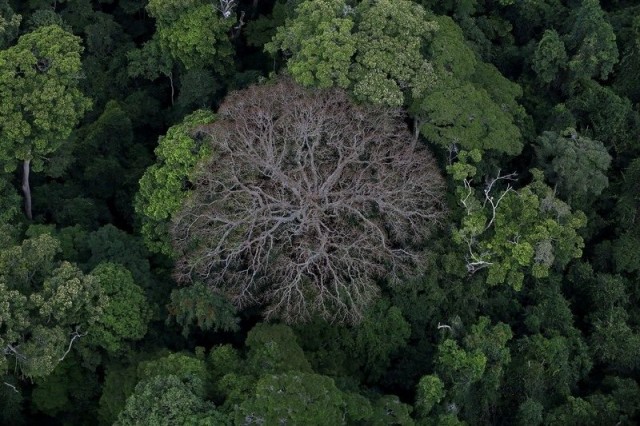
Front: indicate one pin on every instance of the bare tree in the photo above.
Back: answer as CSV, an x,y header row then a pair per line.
x,y
307,201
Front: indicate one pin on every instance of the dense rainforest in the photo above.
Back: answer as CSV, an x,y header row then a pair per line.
x,y
319,212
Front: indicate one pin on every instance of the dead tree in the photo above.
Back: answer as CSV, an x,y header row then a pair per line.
x,y
308,200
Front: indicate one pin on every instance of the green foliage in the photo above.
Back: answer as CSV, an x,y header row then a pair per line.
x,y
127,313
455,365
607,116
494,85
192,33
548,369
591,42
389,67
613,341
383,333
164,185
67,389
462,115
366,350
577,165
263,29
320,41
184,367
375,49
201,305
274,349
9,201
9,24
550,57
472,374
164,400
512,232
107,162
626,83
430,393
530,412
471,105
46,305
119,383
449,51
110,244
296,398
40,102
388,410
150,61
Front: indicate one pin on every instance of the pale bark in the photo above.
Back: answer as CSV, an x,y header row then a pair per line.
x,y
26,188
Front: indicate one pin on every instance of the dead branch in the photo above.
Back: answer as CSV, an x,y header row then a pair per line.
x,y
307,201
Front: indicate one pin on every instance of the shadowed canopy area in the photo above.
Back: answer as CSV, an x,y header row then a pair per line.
x,y
307,201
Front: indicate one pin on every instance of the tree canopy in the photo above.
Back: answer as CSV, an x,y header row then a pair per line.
x,y
319,212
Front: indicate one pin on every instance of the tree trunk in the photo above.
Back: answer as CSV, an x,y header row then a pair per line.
x,y
26,189
173,90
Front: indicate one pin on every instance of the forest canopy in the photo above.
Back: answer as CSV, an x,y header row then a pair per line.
x,y
319,212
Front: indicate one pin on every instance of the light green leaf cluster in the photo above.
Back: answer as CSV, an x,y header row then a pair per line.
x,y
69,296
164,185
456,365
375,49
320,41
429,393
390,67
40,102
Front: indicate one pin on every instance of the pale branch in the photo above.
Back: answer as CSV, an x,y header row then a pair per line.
x,y
12,387
75,335
491,199
445,326
476,261
226,7
10,350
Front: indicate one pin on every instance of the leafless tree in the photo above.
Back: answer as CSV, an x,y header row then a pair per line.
x,y
307,201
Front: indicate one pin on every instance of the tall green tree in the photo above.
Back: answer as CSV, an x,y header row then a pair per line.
x,y
40,102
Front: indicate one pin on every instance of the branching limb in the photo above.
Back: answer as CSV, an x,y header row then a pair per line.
x,y
12,387
226,7
75,335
